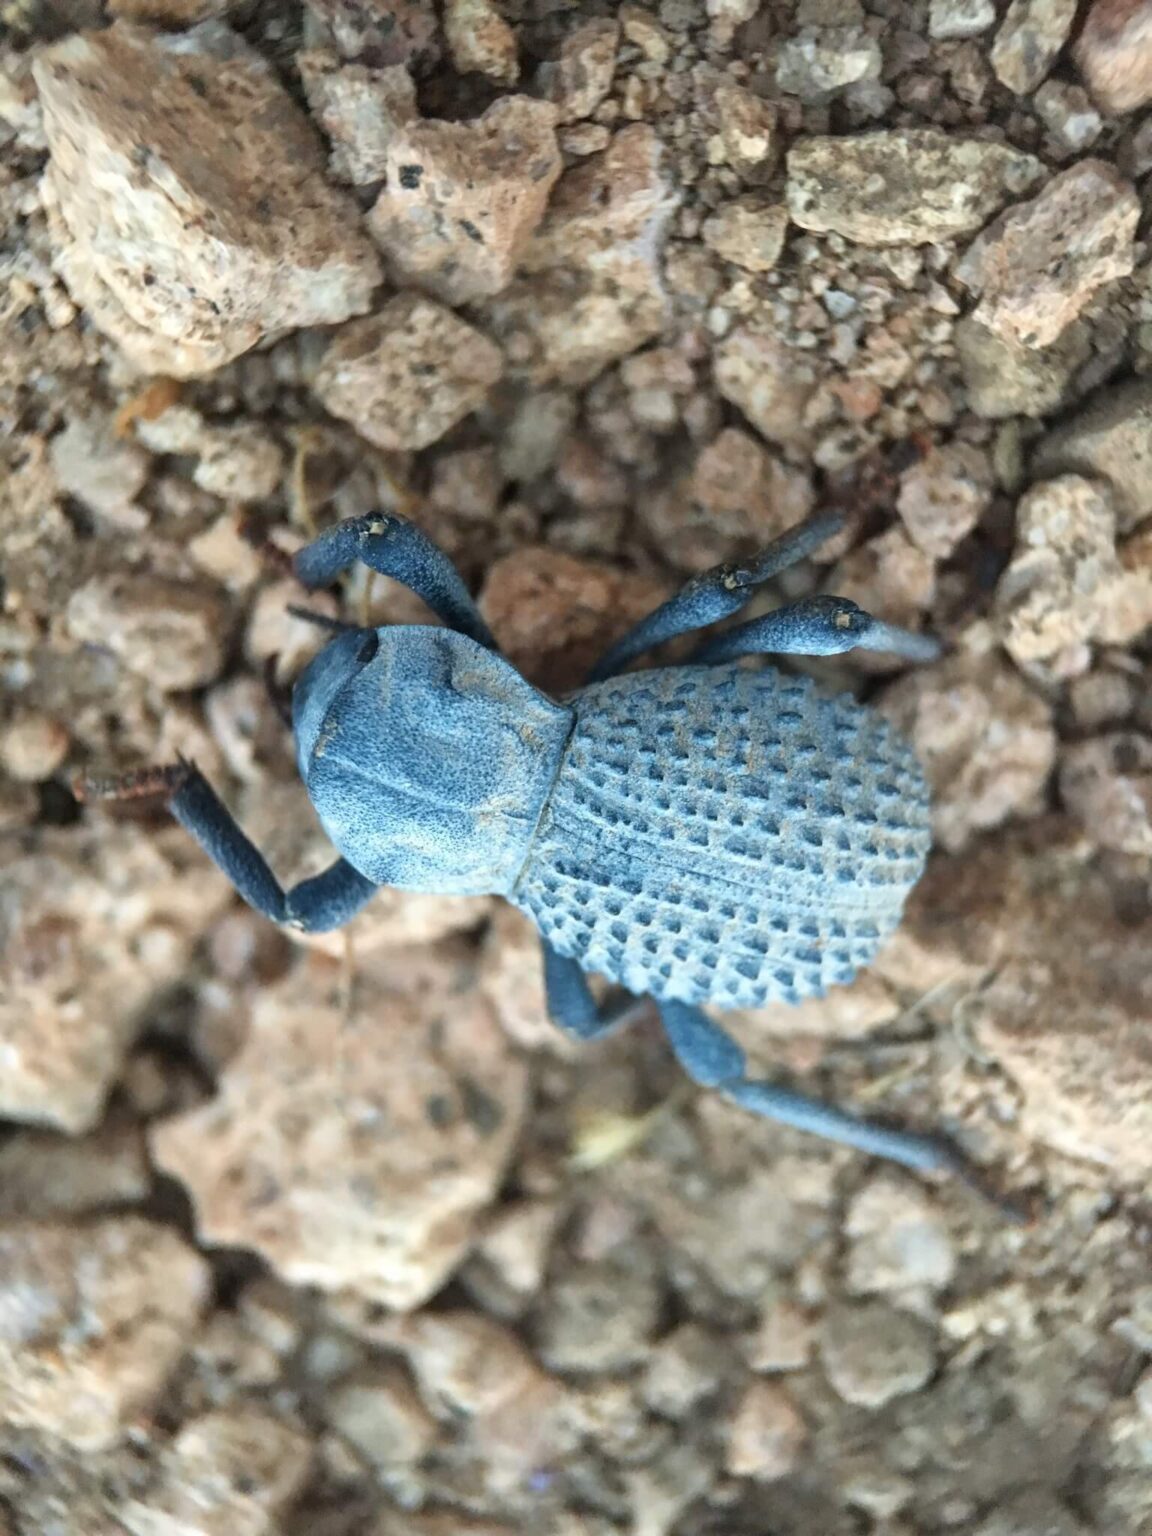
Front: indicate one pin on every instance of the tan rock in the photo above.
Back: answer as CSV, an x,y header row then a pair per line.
x,y
944,496
1038,265
32,746
748,233
582,75
360,109
593,289
1028,41
1108,439
984,738
898,1241
873,1353
1003,377
229,1472
904,185
1114,53
103,472
480,40
736,497
766,1433
771,382
1034,925
354,1146
377,1410
192,217
93,922
1066,584
462,200
92,1321
1107,785
405,376
174,633
554,615
748,131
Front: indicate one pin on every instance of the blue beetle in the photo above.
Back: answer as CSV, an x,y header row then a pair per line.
x,y
696,834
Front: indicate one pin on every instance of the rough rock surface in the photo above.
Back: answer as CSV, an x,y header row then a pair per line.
x,y
462,200
193,217
1028,41
1109,439
360,109
903,186
1107,784
1037,266
407,374
1114,53
91,928
1035,927
92,1320
984,738
379,1199
1066,584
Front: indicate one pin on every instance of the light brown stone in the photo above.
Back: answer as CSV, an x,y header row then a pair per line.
x,y
1114,53
984,738
405,376
93,922
1038,265
354,1143
904,185
92,1321
1066,584
461,200
192,216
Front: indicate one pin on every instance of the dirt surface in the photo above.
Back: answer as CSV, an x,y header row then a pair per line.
x,y
315,1238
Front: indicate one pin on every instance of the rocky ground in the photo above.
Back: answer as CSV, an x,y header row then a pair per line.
x,y
343,1240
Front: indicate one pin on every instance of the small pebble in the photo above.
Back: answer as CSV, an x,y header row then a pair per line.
x,y
873,1353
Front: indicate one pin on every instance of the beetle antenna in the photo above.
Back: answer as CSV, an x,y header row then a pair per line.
x,y
322,620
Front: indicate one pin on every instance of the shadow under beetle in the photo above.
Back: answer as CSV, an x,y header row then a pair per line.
x,y
697,834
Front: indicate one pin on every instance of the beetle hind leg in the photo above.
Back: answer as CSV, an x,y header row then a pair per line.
x,y
571,1006
712,1058
327,900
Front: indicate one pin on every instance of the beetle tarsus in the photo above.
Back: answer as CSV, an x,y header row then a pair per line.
x,y
141,784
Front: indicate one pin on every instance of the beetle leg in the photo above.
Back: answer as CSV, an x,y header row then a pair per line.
x,y
571,1005
718,593
816,626
327,900
395,547
710,1056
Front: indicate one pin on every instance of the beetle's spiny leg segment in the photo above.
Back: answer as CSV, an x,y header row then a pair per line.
x,y
718,593
140,784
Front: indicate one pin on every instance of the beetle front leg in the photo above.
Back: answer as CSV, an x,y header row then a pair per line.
x,y
395,547
718,593
571,1006
327,900
712,1058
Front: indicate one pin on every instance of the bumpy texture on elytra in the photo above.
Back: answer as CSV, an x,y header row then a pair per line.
x,y
725,836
